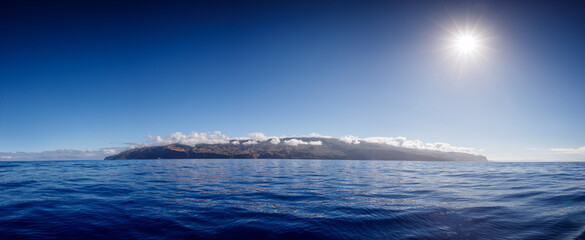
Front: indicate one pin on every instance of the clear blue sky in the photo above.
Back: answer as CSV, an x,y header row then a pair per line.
x,y
96,74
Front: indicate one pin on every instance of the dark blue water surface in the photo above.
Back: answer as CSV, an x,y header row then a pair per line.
x,y
291,199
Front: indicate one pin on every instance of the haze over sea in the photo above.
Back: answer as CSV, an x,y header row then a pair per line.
x,y
291,199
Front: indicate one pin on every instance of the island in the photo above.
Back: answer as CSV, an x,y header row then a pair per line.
x,y
294,148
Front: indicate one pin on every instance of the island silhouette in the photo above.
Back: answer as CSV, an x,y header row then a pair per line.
x,y
293,148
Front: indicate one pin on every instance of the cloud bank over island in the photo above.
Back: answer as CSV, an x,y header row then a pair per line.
x,y
217,137
406,143
197,138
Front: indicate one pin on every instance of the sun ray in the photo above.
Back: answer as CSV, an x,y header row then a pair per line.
x,y
465,43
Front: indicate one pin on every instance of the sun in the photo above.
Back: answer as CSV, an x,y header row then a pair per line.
x,y
466,43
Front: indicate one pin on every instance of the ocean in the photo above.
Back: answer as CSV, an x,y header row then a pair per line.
x,y
291,199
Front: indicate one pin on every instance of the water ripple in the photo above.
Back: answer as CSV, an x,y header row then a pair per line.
x,y
291,199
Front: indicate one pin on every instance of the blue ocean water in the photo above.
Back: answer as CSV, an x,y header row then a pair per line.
x,y
291,199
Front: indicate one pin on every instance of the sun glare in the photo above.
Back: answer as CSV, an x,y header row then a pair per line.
x,y
466,43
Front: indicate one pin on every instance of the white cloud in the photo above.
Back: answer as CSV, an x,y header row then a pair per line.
x,y
258,136
5,157
580,150
250,142
405,143
350,139
216,137
316,135
397,141
191,139
296,142
109,151
274,140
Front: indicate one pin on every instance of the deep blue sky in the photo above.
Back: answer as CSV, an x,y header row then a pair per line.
x,y
95,74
